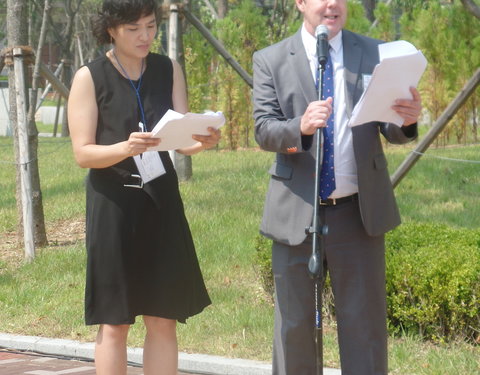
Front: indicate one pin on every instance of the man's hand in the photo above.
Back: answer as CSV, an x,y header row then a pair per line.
x,y
409,109
316,116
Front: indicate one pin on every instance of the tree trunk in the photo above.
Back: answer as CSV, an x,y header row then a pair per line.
x,y
222,6
39,221
17,35
182,163
67,80
67,55
20,57
369,6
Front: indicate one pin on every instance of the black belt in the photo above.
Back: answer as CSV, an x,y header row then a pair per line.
x,y
133,181
119,176
337,201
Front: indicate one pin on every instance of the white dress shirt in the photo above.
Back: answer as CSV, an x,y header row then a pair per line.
x,y
344,160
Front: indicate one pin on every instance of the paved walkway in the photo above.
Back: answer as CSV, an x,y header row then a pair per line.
x,y
44,356
15,363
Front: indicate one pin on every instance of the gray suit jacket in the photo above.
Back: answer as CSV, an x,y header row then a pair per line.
x,y
283,88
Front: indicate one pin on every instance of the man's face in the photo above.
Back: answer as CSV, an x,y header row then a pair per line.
x,y
331,13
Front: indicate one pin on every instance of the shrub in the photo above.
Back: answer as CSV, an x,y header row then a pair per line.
x,y
433,281
263,264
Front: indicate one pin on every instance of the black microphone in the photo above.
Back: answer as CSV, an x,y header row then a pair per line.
x,y
321,32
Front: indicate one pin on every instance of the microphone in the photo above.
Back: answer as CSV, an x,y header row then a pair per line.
x,y
321,32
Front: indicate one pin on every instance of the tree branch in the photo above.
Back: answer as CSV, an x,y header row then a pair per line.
x,y
41,42
472,7
211,8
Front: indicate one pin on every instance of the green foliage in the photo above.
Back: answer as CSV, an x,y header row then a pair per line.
x,y
449,38
466,48
357,20
446,33
263,262
157,43
411,6
283,21
263,267
200,71
385,27
223,203
433,281
213,84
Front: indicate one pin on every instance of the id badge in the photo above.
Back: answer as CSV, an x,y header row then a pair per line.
x,y
366,80
149,165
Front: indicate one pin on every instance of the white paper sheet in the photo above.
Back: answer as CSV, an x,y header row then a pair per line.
x,y
401,66
175,129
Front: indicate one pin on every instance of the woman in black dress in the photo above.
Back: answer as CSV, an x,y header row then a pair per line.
x,y
141,259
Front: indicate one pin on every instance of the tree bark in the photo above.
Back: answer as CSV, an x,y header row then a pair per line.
x,y
20,56
182,163
222,6
16,35
39,221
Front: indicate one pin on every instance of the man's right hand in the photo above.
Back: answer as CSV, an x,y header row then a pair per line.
x,y
316,116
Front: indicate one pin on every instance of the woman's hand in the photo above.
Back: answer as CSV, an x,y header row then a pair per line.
x,y
208,141
139,142
203,142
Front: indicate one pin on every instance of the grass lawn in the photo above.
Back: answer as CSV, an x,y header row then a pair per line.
x,y
223,202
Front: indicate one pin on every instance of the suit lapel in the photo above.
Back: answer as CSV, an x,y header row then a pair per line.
x,y
298,60
352,58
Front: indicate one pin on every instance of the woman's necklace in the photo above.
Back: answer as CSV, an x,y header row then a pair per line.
x,y
123,69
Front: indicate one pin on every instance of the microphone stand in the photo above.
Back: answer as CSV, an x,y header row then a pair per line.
x,y
315,263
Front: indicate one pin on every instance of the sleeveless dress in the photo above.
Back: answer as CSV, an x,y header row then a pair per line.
x,y
141,258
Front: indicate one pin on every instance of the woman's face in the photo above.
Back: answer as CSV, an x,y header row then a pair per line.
x,y
134,39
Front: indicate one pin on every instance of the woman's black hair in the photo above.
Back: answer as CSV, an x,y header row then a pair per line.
x,y
118,12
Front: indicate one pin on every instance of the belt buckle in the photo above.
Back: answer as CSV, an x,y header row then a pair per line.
x,y
139,185
328,202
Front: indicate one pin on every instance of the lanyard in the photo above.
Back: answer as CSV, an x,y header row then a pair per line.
x,y
136,89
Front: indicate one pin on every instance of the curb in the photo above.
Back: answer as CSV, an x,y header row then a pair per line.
x,y
194,363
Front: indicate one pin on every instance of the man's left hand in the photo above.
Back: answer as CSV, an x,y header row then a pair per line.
x,y
409,109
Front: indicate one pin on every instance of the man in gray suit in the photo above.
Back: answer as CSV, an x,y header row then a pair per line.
x,y
359,211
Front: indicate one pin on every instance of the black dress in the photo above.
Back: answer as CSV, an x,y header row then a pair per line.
x,y
140,254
